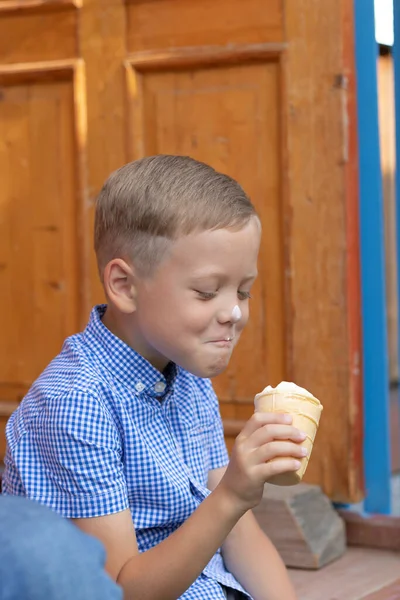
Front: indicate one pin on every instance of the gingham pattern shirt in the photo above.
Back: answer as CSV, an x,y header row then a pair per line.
x,y
101,431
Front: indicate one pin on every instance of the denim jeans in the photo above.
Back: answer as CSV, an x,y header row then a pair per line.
x,y
45,557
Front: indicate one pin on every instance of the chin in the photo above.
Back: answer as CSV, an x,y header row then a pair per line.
x,y
205,366
209,371
215,372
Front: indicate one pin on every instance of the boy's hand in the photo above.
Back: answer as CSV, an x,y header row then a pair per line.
x,y
265,436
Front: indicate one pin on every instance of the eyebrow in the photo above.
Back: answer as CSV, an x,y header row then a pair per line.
x,y
215,275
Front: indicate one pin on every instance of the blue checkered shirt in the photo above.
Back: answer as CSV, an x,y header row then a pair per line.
x,y
101,431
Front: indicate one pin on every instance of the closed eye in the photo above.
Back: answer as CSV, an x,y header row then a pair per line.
x,y
206,295
210,295
244,295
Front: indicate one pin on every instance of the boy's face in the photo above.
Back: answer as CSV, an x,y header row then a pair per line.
x,y
184,310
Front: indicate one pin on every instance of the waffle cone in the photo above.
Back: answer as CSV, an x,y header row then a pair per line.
x,y
305,411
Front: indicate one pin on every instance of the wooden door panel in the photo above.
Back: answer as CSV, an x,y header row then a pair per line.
x,y
228,116
28,35
38,236
161,24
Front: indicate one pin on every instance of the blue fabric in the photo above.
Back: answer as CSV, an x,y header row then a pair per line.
x,y
101,430
45,556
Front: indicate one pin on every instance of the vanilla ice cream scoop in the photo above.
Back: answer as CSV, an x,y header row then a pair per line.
x,y
285,387
305,409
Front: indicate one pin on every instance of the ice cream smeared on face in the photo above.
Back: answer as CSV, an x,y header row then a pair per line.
x,y
236,314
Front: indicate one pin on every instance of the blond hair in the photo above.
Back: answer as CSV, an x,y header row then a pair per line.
x,y
148,203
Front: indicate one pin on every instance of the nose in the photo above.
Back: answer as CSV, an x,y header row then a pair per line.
x,y
230,316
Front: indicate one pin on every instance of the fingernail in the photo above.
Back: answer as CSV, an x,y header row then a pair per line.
x,y
297,464
304,451
287,418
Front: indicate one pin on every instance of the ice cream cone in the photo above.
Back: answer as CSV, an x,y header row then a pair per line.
x,y
305,410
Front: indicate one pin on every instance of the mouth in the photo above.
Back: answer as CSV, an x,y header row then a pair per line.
x,y
224,341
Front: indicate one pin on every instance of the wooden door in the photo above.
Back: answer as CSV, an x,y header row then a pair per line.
x,y
263,91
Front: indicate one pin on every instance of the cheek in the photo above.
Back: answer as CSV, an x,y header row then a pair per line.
x,y
159,303
170,317
198,315
156,315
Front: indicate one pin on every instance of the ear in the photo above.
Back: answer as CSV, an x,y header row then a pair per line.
x,y
119,285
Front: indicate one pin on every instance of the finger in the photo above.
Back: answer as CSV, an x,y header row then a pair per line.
x,y
270,432
278,466
260,419
279,449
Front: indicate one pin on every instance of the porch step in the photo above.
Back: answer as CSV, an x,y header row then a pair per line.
x,y
389,592
357,575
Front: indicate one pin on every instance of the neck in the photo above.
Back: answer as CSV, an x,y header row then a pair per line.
x,y
125,328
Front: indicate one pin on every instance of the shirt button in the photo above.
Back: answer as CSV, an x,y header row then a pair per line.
x,y
139,386
160,387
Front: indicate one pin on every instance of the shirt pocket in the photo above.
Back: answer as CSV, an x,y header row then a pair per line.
x,y
199,440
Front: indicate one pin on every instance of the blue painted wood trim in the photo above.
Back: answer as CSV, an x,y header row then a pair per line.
x,y
375,348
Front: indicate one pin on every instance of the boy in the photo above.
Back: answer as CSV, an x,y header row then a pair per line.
x,y
122,432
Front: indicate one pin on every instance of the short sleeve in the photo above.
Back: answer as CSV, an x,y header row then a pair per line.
x,y
70,458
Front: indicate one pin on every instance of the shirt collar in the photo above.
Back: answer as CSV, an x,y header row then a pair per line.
x,y
125,363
